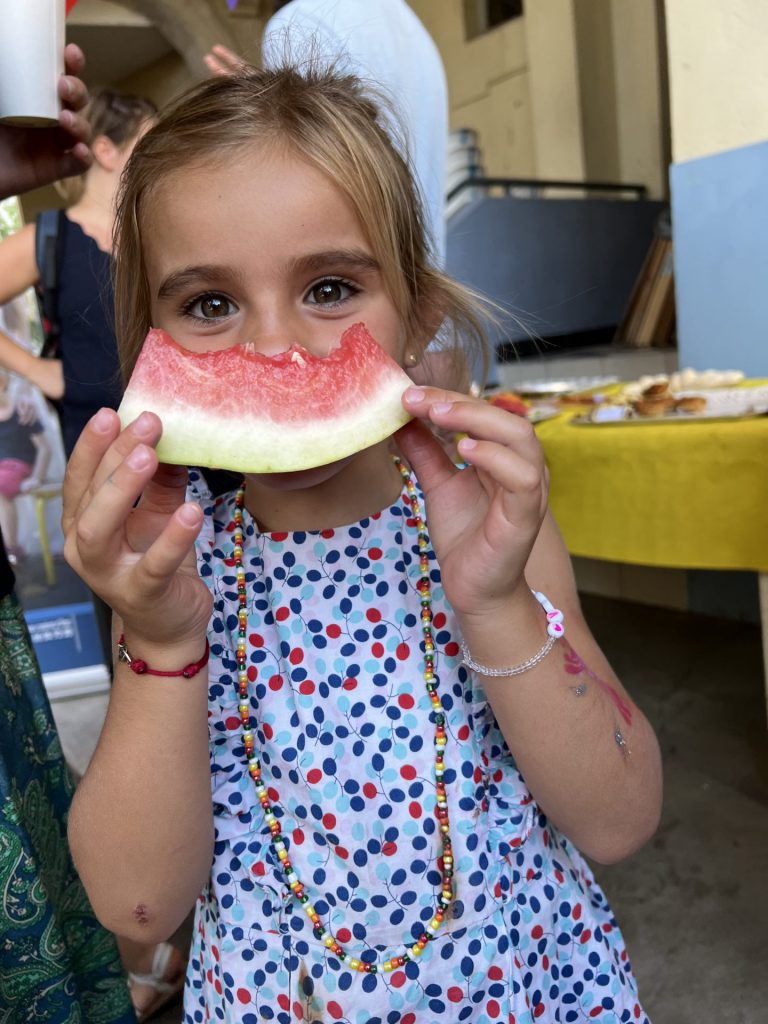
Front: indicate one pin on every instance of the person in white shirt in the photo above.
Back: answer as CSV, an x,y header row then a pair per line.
x,y
381,41
384,43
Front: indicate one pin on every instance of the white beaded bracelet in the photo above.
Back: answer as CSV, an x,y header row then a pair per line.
x,y
555,630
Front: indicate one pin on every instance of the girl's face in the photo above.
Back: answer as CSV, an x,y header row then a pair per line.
x,y
262,249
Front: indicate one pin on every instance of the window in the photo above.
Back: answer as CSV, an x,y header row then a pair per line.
x,y
482,15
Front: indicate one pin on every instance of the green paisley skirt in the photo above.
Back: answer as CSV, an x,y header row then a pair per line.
x,y
57,964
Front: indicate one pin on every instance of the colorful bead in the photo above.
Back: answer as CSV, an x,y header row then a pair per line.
x,y
294,883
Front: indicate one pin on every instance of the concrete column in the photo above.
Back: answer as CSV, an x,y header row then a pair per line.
x,y
718,75
190,26
637,75
550,28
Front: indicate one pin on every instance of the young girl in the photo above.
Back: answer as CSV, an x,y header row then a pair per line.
x,y
367,778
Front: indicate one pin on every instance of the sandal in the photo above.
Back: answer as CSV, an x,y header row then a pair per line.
x,y
166,980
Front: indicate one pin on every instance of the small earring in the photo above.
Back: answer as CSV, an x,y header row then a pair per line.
x,y
411,358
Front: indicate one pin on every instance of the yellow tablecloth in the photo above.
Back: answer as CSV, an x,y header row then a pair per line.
x,y
690,495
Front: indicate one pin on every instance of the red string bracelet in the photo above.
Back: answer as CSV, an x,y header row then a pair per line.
x,y
141,668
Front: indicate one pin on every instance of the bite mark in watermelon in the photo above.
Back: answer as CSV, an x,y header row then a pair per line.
x,y
235,409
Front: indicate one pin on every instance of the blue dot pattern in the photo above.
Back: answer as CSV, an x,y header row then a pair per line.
x,y
344,730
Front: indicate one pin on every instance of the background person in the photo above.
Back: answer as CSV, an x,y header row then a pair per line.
x,y
25,454
85,375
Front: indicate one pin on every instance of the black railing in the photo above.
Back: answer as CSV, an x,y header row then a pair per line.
x,y
538,184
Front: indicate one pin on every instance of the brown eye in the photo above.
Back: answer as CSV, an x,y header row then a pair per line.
x,y
328,291
214,306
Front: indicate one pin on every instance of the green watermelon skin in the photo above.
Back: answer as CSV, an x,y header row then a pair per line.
x,y
239,410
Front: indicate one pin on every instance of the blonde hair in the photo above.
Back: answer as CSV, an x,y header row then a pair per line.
x,y
115,115
329,120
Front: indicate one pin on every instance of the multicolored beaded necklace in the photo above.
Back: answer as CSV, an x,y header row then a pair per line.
x,y
254,765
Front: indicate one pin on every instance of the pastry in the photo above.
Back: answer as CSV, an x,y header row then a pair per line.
x,y
691,403
656,390
654,407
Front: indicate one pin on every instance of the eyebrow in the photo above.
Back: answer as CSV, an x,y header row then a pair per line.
x,y
343,259
349,259
180,280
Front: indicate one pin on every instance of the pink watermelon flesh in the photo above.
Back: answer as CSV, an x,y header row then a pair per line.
x,y
234,409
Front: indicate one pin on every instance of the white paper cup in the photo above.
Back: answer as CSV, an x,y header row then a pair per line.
x,y
31,60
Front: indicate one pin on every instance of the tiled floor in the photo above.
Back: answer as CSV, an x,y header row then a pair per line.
x,y
693,904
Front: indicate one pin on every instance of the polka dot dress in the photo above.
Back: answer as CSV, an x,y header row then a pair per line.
x,y
344,733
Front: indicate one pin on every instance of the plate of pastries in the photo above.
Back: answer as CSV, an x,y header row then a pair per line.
x,y
687,396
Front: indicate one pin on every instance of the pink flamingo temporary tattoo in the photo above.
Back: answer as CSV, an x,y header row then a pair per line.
x,y
575,666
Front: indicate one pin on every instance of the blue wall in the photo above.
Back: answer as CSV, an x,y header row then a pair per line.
x,y
720,226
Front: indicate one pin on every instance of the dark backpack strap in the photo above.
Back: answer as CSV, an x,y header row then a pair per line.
x,y
49,245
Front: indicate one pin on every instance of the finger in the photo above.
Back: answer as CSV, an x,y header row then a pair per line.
x,y
524,483
73,128
419,400
145,429
99,534
73,92
425,455
74,60
213,65
488,423
100,431
230,61
99,451
167,489
155,570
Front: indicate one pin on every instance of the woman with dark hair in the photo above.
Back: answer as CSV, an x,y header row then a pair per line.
x,y
85,374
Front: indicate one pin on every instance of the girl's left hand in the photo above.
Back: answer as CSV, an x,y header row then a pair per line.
x,y
483,520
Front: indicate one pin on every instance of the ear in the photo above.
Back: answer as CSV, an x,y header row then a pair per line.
x,y
105,152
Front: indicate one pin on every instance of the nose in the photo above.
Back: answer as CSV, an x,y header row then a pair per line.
x,y
273,328
272,344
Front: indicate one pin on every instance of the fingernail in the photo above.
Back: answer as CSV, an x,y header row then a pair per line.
x,y
414,395
466,444
188,514
441,407
66,118
143,425
138,458
102,421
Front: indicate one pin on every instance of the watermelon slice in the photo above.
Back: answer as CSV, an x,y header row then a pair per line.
x,y
234,409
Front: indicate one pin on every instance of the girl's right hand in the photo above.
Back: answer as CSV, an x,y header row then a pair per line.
x,y
139,558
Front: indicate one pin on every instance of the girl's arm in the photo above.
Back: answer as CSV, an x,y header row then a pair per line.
x,y
18,268
588,755
141,823
141,826
46,374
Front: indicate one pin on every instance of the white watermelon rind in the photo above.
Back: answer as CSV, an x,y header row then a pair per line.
x,y
278,449
245,436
